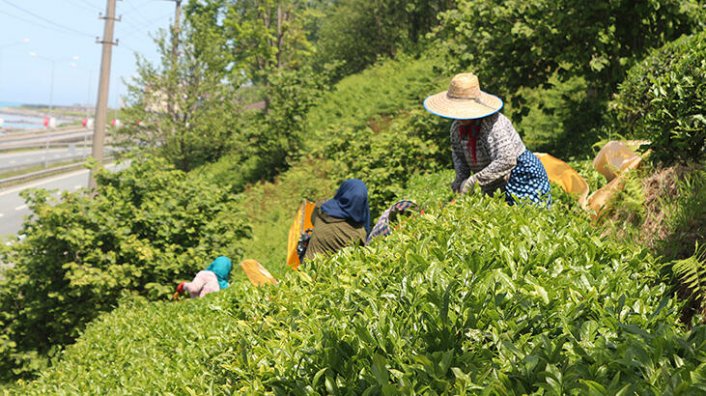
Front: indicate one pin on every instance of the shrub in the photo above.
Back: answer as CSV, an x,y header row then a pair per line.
x,y
382,90
387,152
144,228
561,120
686,216
663,100
470,298
514,44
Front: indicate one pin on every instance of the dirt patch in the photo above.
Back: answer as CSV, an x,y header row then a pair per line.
x,y
658,187
671,225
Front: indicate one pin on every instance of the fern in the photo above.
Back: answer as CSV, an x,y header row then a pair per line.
x,y
692,274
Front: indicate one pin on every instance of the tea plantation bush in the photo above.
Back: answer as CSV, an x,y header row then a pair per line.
x,y
386,154
145,228
663,100
384,89
365,128
471,298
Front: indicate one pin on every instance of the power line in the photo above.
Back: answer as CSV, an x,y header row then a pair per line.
x,y
147,25
49,21
93,6
35,23
82,6
134,9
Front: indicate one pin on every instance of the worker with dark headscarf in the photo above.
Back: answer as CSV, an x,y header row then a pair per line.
x,y
341,221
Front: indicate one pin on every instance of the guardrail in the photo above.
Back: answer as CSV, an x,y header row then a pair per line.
x,y
45,140
38,132
10,181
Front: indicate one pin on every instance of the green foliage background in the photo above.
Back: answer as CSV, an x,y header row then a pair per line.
x,y
663,100
543,304
145,227
470,298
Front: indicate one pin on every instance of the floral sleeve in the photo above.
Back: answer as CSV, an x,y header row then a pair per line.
x,y
505,146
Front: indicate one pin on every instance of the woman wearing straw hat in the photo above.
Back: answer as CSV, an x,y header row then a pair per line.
x,y
484,142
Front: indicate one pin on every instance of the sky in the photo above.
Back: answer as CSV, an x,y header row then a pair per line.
x,y
63,33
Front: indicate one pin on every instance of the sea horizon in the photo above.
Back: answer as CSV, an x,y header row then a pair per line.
x,y
10,104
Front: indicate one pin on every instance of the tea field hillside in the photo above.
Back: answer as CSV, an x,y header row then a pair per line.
x,y
470,298
272,102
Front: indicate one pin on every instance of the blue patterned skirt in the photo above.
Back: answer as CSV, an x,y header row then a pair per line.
x,y
528,181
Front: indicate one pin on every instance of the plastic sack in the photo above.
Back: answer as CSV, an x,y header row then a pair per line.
x,y
257,274
615,157
561,173
601,198
302,223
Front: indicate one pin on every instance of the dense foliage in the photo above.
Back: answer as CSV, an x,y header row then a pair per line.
x,y
538,54
410,144
356,33
525,300
521,43
365,127
183,108
145,228
663,100
560,119
470,298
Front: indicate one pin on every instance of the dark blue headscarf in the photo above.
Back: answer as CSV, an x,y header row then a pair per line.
x,y
350,203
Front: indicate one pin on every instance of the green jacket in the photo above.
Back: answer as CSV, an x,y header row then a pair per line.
x,y
332,234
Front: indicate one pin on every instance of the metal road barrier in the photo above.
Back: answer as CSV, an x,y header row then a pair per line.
x,y
43,140
10,181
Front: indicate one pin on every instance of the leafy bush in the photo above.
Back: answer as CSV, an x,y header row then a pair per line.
x,y
476,297
144,228
356,33
685,216
663,100
561,119
182,108
382,90
365,130
521,43
272,140
387,152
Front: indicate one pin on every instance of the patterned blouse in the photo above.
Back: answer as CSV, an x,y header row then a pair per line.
x,y
489,150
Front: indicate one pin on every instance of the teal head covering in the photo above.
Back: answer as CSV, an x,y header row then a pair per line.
x,y
221,266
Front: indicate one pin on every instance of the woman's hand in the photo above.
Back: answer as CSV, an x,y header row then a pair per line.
x,y
468,185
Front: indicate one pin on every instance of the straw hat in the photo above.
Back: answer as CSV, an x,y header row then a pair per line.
x,y
464,100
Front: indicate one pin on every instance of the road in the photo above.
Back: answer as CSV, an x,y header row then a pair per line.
x,y
13,209
25,159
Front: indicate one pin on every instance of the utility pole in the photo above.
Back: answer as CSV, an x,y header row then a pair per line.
x,y
171,88
175,31
103,88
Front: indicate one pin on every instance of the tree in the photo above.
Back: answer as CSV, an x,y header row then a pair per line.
x,y
356,32
265,36
186,108
524,43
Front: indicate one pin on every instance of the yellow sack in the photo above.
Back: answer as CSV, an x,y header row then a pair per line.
x,y
257,274
301,223
561,173
614,158
599,200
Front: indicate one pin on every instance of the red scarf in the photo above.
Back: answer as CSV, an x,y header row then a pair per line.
x,y
471,133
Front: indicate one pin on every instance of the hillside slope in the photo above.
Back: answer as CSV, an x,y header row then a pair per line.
x,y
474,297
